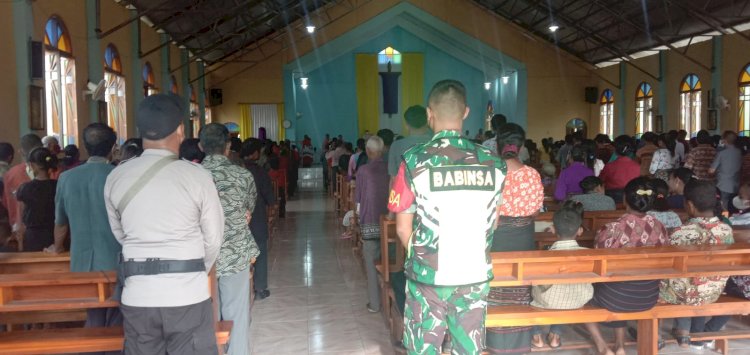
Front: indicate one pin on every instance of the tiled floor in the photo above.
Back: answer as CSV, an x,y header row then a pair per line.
x,y
317,303
318,299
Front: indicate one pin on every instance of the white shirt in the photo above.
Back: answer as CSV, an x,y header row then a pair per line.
x,y
176,216
679,153
662,160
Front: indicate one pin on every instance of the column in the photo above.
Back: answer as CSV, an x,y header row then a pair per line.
x,y
23,30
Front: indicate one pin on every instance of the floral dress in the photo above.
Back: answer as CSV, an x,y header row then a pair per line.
x,y
523,193
696,291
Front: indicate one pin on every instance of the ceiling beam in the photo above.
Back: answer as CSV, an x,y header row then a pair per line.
x,y
136,17
654,35
704,17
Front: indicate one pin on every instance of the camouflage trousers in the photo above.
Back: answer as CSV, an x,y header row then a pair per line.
x,y
431,310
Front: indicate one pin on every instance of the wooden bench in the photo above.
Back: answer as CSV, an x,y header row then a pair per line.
x,y
33,262
59,292
387,265
614,265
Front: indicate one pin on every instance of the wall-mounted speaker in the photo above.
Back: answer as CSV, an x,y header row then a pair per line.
x,y
36,49
215,97
592,94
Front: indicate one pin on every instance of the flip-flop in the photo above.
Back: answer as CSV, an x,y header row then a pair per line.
x,y
537,346
559,340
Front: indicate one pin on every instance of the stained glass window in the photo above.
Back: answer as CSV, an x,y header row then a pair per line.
x,y
60,82
606,113
389,55
690,104
149,81
744,106
644,119
115,93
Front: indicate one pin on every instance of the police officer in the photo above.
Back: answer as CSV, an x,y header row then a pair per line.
x,y
167,215
445,196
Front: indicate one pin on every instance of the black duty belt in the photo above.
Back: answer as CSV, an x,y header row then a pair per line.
x,y
157,266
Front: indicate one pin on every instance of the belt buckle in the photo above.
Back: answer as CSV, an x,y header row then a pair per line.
x,y
151,266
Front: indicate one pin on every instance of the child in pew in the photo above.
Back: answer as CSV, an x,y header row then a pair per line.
x,y
634,229
37,199
593,197
702,228
567,226
661,210
678,178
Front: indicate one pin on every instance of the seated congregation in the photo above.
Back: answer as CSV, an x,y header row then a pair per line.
x,y
622,235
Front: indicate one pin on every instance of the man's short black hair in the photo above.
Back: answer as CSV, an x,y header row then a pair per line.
x,y
29,142
189,150
416,116
497,121
214,138
98,139
568,219
6,152
386,135
703,137
590,183
452,91
702,193
250,146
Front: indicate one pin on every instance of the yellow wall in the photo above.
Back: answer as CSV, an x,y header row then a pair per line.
x,y
73,14
555,83
8,89
734,58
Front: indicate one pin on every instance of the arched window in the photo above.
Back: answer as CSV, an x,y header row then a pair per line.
x,y
744,106
690,104
173,85
644,119
60,82
149,81
389,55
607,113
194,111
115,95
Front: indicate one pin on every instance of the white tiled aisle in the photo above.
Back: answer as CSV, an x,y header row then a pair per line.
x,y
318,297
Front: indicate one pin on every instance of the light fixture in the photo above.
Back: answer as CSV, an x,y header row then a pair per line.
x,y
160,30
505,78
303,83
310,29
182,46
553,27
487,85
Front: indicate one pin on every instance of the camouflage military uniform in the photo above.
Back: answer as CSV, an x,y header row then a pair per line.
x,y
453,186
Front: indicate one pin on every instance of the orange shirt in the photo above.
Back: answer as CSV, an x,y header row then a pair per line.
x,y
523,193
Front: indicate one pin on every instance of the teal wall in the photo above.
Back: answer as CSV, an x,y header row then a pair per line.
x,y
329,105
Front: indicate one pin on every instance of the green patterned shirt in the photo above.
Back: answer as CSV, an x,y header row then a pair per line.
x,y
237,193
454,187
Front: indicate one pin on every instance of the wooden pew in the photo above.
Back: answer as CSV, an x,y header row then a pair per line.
x,y
33,262
612,265
594,220
386,266
65,291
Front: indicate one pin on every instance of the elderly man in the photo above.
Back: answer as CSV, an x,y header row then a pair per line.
x,y
371,194
80,212
237,194
167,215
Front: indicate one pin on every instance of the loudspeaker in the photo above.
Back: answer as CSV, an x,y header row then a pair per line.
x,y
592,94
37,59
215,97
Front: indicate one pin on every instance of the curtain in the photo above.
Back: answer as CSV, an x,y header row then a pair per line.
x,y
280,124
246,121
412,68
367,92
266,116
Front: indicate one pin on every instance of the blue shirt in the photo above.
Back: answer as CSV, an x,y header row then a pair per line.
x,y
79,203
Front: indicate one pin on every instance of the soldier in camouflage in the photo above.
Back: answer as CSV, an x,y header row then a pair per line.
x,y
445,196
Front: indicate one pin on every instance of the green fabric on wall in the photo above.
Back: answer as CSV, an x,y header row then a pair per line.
x,y
366,68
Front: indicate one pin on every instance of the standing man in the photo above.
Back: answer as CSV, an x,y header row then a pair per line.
x,y
416,121
237,194
259,221
453,186
80,212
167,215
726,166
700,158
